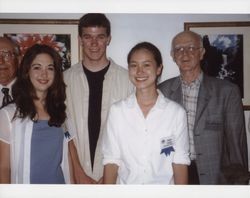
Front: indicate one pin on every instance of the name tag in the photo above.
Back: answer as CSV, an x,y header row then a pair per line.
x,y
167,142
167,145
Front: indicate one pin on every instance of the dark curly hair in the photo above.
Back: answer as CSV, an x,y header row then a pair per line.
x,y
24,93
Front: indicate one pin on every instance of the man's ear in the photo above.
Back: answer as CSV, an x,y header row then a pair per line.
x,y
108,40
17,60
172,55
202,53
79,39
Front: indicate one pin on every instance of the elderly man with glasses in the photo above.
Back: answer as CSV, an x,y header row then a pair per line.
x,y
217,136
9,61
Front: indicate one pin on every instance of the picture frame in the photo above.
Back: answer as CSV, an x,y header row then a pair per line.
x,y
61,34
232,41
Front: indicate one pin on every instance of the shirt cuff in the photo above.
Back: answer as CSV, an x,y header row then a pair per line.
x,y
111,161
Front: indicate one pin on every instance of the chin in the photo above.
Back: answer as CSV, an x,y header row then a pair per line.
x,y
140,87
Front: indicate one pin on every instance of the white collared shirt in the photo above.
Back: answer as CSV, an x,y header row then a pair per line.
x,y
134,142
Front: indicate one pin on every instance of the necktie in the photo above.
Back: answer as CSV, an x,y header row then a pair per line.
x,y
6,98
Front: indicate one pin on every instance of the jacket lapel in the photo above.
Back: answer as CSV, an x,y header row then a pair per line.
x,y
203,99
176,91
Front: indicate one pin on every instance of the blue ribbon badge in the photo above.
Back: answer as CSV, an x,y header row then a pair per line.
x,y
67,135
167,145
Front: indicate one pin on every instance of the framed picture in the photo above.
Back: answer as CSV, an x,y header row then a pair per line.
x,y
227,54
62,35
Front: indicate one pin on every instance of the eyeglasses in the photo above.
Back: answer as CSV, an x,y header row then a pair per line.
x,y
188,49
7,55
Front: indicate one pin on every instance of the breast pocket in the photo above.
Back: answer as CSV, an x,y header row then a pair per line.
x,y
214,122
214,126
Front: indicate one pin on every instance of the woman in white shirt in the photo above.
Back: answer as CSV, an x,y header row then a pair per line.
x,y
146,140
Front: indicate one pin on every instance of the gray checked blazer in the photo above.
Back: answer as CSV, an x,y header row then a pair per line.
x,y
219,130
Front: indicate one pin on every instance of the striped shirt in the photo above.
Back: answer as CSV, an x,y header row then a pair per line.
x,y
190,97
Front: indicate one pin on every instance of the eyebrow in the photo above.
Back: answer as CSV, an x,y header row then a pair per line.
x,y
188,45
146,61
34,64
51,64
90,34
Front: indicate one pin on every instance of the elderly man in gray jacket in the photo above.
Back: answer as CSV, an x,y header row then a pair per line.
x,y
217,136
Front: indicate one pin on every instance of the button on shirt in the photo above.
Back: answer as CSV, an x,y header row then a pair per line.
x,y
134,142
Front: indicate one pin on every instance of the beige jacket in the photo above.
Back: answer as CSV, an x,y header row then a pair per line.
x,y
116,86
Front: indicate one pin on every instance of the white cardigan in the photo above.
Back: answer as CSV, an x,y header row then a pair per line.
x,y
18,134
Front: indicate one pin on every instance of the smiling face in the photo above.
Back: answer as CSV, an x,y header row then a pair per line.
x,y
94,41
143,69
187,52
42,74
8,61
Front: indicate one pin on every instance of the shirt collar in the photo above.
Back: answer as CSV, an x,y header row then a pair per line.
x,y
160,102
9,85
196,82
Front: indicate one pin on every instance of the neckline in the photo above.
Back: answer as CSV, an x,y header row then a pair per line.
x,y
95,72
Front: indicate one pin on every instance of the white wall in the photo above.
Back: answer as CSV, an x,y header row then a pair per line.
x,y
129,29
